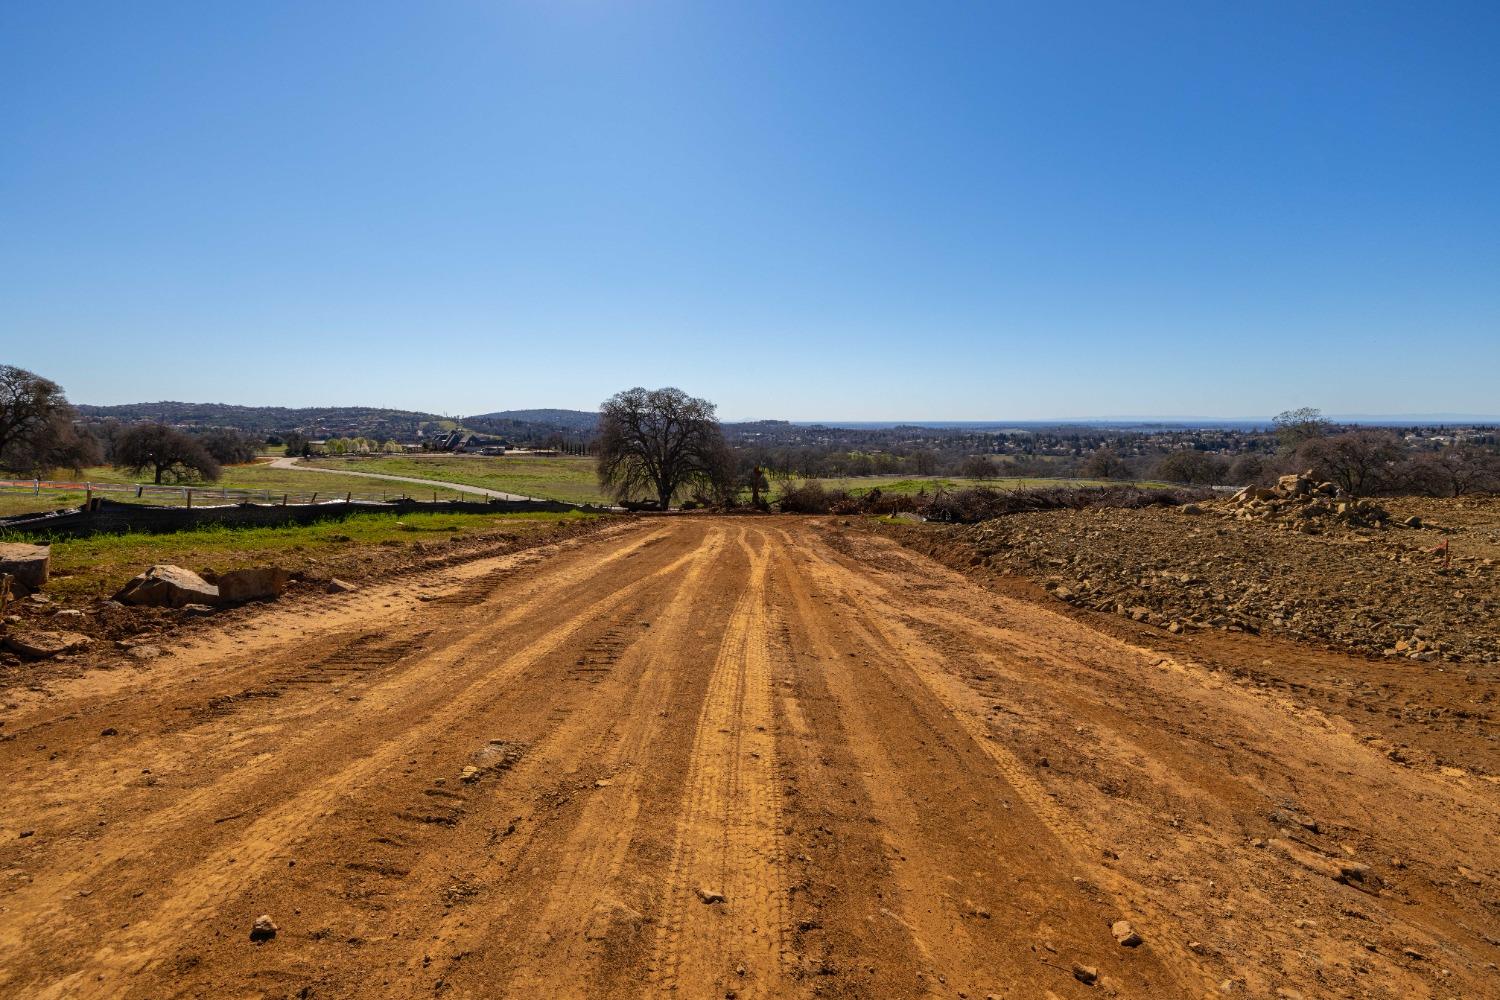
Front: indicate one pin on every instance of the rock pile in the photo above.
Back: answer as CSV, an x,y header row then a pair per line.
x,y
1383,593
1301,503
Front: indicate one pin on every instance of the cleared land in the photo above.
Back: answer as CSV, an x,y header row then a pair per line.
x,y
744,757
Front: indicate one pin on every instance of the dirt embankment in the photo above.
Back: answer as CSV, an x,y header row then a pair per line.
x,y
730,757
1351,586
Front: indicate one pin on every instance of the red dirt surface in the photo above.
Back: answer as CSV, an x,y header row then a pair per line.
x,y
739,757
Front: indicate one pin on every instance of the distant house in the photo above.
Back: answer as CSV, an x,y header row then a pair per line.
x,y
462,442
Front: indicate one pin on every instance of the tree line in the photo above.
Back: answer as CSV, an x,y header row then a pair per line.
x,y
40,432
665,446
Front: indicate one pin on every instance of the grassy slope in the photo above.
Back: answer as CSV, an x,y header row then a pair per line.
x,y
97,566
564,478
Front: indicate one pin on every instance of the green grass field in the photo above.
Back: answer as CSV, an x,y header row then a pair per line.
x,y
243,477
567,478
100,565
572,478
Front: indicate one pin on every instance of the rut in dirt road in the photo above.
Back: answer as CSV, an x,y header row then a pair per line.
x,y
710,757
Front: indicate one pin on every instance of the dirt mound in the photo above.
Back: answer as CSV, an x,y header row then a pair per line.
x,y
1253,568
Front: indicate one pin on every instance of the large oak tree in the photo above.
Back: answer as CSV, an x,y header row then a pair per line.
x,y
36,426
662,441
165,452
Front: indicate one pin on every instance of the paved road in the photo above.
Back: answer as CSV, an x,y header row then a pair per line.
x,y
294,464
717,757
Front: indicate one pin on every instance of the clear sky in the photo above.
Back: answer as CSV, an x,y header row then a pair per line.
x,y
802,210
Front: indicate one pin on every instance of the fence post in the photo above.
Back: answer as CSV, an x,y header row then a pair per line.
x,y
283,499
314,498
189,494
349,497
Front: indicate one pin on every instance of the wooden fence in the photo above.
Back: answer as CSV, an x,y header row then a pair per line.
x,y
187,496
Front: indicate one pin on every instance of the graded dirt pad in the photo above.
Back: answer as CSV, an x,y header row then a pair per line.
x,y
738,757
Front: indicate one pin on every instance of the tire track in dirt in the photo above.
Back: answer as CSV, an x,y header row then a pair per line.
x,y
447,869
723,926
847,937
232,867
563,924
1050,844
184,689
1181,771
548,756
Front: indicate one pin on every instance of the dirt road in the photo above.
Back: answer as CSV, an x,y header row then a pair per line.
x,y
741,757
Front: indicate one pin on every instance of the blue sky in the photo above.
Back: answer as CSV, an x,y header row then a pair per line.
x,y
802,210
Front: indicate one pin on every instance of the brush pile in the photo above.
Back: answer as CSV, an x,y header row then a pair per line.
x,y
972,506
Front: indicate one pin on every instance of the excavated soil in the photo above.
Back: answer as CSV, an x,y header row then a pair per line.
x,y
732,758
1430,594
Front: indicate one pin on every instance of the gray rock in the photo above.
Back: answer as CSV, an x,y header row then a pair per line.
x,y
264,928
258,584
27,563
42,644
168,586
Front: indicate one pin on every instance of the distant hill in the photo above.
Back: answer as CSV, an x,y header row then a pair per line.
x,y
313,421
555,427
575,421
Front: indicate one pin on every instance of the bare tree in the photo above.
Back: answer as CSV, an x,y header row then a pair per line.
x,y
1294,427
1105,464
296,445
980,467
1458,469
1189,465
165,452
1247,468
664,441
1358,462
229,447
36,425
